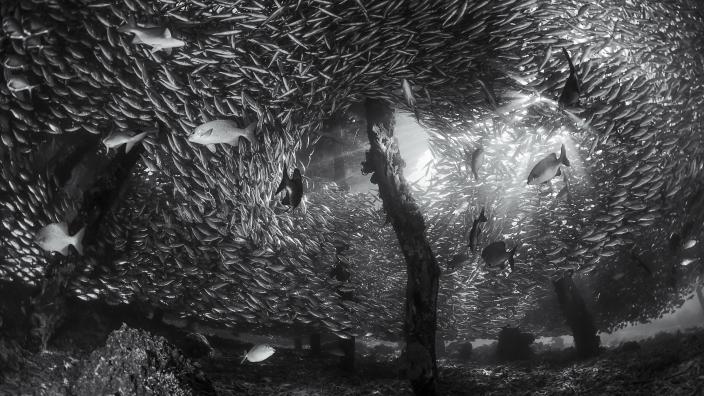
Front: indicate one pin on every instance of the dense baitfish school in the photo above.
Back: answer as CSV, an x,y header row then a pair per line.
x,y
365,196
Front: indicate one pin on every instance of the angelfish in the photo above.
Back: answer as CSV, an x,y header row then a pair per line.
x,y
293,186
496,255
156,37
221,132
548,167
474,233
570,93
117,139
54,238
258,353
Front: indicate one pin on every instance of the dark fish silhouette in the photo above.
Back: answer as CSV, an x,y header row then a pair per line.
x,y
293,187
570,93
474,233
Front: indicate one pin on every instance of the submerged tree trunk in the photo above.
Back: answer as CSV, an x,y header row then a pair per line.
x,y
315,344
384,161
347,347
586,340
48,307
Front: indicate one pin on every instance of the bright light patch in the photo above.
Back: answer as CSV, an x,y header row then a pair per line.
x,y
415,150
422,171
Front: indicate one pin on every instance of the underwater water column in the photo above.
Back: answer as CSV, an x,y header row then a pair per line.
x,y
384,161
48,307
581,322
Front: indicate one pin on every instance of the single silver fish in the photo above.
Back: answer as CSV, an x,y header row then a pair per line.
x,y
689,244
548,167
221,132
258,353
19,83
117,139
156,37
54,238
476,163
408,93
13,62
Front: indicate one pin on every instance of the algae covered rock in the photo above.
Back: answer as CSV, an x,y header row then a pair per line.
x,y
134,362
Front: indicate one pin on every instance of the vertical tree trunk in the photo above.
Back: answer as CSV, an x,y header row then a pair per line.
x,y
347,346
584,331
384,161
297,343
315,344
340,167
700,296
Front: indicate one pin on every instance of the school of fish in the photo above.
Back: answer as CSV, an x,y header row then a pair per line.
x,y
223,95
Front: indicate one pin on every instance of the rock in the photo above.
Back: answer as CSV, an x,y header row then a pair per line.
x,y
196,346
630,346
514,345
136,362
464,351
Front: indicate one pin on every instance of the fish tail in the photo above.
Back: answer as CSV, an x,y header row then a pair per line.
x,y
251,128
78,240
134,140
284,181
131,24
563,156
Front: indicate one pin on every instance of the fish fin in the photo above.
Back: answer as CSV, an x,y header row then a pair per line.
x,y
284,181
244,357
563,156
64,227
167,33
482,217
78,240
64,251
248,133
511,261
208,132
286,200
569,60
211,147
131,23
251,128
137,40
559,172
